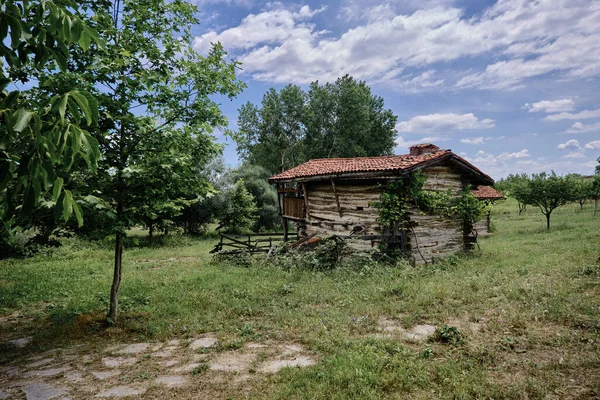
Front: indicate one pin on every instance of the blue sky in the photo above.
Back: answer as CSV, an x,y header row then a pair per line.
x,y
511,85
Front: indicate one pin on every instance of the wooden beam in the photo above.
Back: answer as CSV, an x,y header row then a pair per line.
x,y
337,198
307,217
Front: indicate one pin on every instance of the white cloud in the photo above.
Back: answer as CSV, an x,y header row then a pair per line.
x,y
476,140
595,145
575,154
545,36
443,122
511,156
579,127
569,145
585,114
551,106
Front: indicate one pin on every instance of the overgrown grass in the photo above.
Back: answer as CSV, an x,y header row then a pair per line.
x,y
534,293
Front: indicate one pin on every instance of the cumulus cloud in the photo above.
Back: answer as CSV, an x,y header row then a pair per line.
x,y
579,127
585,114
443,123
511,156
569,145
595,145
551,106
476,140
530,39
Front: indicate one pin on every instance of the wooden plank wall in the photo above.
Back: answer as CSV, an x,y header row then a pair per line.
x,y
324,218
436,236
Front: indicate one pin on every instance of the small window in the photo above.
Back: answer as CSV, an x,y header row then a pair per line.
x,y
360,208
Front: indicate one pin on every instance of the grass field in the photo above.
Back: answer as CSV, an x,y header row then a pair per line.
x,y
527,304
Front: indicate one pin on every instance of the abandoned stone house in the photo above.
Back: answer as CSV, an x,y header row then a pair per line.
x,y
335,196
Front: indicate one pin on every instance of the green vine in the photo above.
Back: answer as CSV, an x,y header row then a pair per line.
x,y
398,197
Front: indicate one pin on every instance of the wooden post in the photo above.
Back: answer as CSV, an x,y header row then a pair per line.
x,y
307,217
279,208
285,229
337,199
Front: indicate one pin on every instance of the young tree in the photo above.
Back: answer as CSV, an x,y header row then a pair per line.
x,y
255,180
240,212
581,188
548,192
150,84
595,191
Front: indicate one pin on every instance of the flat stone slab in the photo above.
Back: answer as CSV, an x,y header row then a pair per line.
x,y
163,354
42,391
233,361
122,391
186,368
74,376
114,362
419,333
170,363
272,367
40,363
45,372
21,342
134,348
171,380
203,343
253,345
102,375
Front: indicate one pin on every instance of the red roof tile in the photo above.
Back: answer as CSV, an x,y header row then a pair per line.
x,y
487,193
343,166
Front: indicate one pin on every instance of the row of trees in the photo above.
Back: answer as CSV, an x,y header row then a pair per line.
x,y
550,191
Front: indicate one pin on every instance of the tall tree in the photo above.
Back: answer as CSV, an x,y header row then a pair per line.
x,y
341,119
151,84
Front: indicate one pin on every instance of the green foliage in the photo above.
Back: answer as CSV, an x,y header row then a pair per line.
x,y
42,138
548,192
448,335
341,119
241,212
255,180
399,196
395,200
582,188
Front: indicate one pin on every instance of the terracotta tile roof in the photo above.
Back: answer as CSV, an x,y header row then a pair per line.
x,y
487,193
343,166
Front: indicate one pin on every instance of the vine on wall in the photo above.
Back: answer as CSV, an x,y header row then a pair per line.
x,y
397,198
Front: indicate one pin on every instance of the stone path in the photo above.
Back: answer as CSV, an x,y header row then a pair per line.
x,y
133,369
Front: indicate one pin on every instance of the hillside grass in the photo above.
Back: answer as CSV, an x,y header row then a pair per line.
x,y
532,295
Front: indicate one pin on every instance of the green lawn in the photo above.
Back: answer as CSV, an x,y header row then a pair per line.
x,y
528,304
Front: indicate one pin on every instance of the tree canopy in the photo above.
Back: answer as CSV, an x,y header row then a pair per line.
x,y
291,126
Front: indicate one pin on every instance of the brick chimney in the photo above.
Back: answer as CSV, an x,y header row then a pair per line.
x,y
424,148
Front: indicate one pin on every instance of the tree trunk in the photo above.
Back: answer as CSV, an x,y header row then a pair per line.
x,y
548,221
595,206
150,231
113,312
